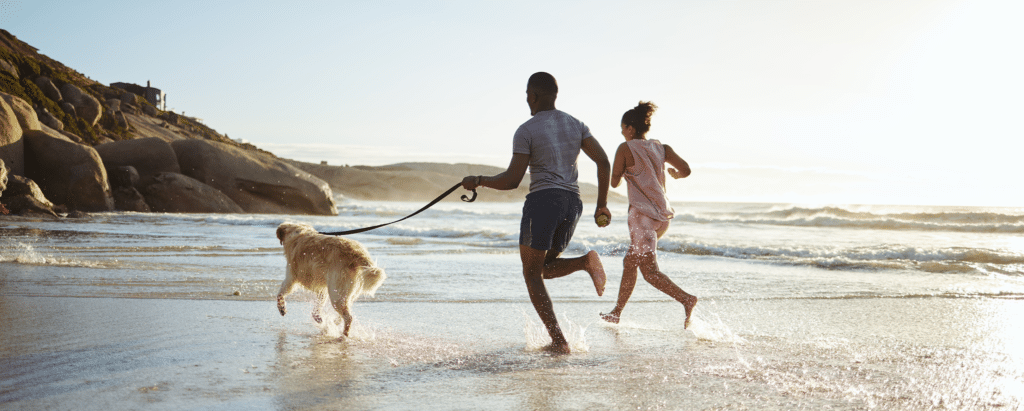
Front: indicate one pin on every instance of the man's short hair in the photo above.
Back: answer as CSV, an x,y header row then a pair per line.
x,y
542,83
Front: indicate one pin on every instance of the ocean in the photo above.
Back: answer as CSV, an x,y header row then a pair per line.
x,y
801,307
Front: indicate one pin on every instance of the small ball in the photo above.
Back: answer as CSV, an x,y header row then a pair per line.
x,y
602,220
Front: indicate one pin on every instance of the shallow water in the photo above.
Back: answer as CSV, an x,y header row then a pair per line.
x,y
799,309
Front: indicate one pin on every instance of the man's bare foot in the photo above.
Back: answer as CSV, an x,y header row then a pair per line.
x,y
562,348
612,318
596,270
689,304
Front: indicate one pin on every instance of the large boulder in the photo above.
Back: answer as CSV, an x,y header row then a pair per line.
x,y
86,106
18,186
258,182
147,155
130,98
113,104
47,118
130,199
3,178
122,176
68,108
68,173
56,133
12,146
49,90
9,68
177,193
27,206
26,115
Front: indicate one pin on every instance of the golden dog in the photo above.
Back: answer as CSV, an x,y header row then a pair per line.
x,y
329,266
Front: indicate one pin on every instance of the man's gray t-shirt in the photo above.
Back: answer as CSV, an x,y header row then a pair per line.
x,y
552,139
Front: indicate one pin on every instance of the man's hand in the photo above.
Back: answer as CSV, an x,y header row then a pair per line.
x,y
471,182
602,212
676,173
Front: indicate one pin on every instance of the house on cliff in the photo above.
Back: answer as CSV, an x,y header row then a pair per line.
x,y
153,95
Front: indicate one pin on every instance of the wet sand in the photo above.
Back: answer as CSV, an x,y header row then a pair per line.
x,y
122,353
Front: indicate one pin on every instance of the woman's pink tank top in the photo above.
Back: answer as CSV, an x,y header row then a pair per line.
x,y
646,180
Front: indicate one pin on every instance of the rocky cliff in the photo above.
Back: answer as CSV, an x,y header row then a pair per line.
x,y
69,144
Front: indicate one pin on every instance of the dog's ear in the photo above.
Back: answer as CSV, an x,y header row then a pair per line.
x,y
281,229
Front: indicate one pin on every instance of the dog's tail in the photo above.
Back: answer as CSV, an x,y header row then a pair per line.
x,y
370,278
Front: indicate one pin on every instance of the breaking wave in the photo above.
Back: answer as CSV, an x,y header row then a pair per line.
x,y
1005,221
937,260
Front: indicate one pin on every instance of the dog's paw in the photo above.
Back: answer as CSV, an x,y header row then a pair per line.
x,y
316,317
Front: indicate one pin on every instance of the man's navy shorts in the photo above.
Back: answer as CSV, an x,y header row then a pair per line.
x,y
549,219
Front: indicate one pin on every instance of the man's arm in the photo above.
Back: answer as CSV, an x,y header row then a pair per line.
x,y
507,180
593,150
682,169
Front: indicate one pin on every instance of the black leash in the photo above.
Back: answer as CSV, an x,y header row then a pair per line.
x,y
436,200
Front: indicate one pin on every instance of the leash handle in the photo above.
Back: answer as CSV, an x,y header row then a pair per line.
x,y
435,201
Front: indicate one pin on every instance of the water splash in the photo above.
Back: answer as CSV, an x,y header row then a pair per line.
x,y
537,337
706,325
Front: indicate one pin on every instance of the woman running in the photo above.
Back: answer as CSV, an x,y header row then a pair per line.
x,y
642,163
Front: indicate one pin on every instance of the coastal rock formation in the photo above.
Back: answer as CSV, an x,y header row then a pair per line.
x,y
26,115
130,199
9,68
68,108
3,186
48,119
68,173
113,104
3,178
148,156
23,197
11,143
18,185
49,90
123,180
177,193
146,126
257,182
122,176
27,206
86,106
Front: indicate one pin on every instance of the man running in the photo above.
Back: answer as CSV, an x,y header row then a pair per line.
x,y
549,144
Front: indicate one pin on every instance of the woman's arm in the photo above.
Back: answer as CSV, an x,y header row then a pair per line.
x,y
623,159
682,169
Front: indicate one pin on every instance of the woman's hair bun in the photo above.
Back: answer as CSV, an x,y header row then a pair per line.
x,y
639,117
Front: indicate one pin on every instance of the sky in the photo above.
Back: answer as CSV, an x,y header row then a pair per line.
x,y
798,102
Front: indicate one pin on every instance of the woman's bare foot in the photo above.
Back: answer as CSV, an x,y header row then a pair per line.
x,y
594,267
689,304
612,318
